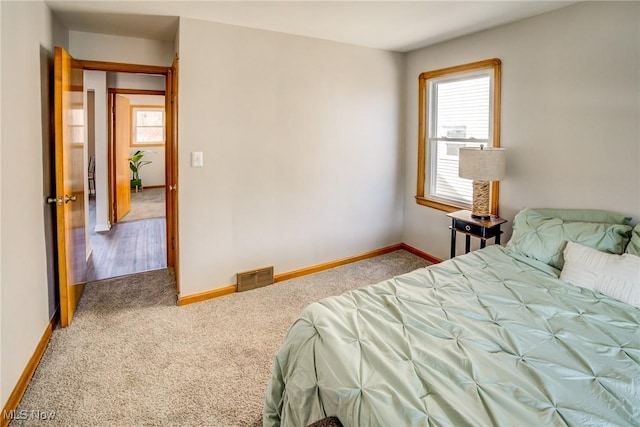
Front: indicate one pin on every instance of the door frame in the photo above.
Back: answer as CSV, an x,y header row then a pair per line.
x,y
171,164
171,144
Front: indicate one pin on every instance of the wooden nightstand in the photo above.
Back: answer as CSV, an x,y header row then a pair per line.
x,y
483,229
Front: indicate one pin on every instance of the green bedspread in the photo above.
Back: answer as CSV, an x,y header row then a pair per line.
x,y
483,339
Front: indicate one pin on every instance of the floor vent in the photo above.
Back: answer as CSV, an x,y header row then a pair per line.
x,y
255,279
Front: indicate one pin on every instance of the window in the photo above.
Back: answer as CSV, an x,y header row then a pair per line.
x,y
76,124
458,107
147,124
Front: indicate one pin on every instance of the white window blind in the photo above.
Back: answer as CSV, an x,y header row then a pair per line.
x,y
460,115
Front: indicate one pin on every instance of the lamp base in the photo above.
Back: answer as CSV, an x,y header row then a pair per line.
x,y
480,208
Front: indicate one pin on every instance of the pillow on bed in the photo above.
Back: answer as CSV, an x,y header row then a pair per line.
x,y
634,244
586,215
543,237
616,276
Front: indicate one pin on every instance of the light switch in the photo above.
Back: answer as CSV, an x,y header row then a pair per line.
x,y
196,159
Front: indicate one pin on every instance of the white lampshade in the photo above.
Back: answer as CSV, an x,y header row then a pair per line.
x,y
482,164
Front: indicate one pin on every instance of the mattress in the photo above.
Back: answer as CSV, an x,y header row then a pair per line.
x,y
488,338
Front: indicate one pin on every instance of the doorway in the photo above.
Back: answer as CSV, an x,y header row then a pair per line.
x,y
132,236
136,239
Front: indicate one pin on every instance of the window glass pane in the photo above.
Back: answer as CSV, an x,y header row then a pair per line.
x,y
460,111
446,183
149,118
149,134
76,134
76,116
462,108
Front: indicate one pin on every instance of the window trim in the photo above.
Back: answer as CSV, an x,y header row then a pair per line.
x,y
423,126
158,107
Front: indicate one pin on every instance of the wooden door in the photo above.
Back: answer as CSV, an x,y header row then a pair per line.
x,y
70,188
171,168
122,122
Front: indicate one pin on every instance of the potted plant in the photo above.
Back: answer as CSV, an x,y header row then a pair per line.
x,y
136,163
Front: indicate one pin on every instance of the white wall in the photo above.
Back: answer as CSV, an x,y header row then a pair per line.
x,y
570,114
29,32
130,50
155,100
152,174
301,141
136,81
97,81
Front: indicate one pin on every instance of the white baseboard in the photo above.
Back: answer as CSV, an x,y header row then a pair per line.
x,y
103,227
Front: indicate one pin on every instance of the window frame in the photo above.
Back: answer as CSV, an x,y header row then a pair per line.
x,y
424,117
134,109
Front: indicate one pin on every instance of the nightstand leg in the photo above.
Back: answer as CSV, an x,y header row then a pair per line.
x,y
483,243
453,242
467,244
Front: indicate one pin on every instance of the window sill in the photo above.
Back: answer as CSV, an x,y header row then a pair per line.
x,y
446,207
149,144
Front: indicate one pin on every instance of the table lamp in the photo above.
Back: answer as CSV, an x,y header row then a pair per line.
x,y
482,165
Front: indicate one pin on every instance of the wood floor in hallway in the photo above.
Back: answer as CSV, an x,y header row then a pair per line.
x,y
129,247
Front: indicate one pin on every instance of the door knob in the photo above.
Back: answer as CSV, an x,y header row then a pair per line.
x,y
52,200
173,187
68,199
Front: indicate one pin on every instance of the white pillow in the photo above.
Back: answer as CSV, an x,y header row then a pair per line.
x,y
617,276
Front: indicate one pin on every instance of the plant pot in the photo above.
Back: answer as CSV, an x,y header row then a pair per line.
x,y
136,183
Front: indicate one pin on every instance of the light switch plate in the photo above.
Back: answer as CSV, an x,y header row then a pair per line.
x,y
196,159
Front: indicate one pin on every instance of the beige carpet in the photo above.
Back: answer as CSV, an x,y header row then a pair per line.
x,y
146,204
132,357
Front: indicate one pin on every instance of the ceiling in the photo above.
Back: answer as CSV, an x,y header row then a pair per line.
x,y
390,25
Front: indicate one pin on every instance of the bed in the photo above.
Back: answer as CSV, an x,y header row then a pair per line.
x,y
499,336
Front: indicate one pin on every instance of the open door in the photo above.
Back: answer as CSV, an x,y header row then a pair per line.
x,y
171,168
122,124
69,169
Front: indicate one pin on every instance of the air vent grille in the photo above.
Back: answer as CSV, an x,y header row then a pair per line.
x,y
255,279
